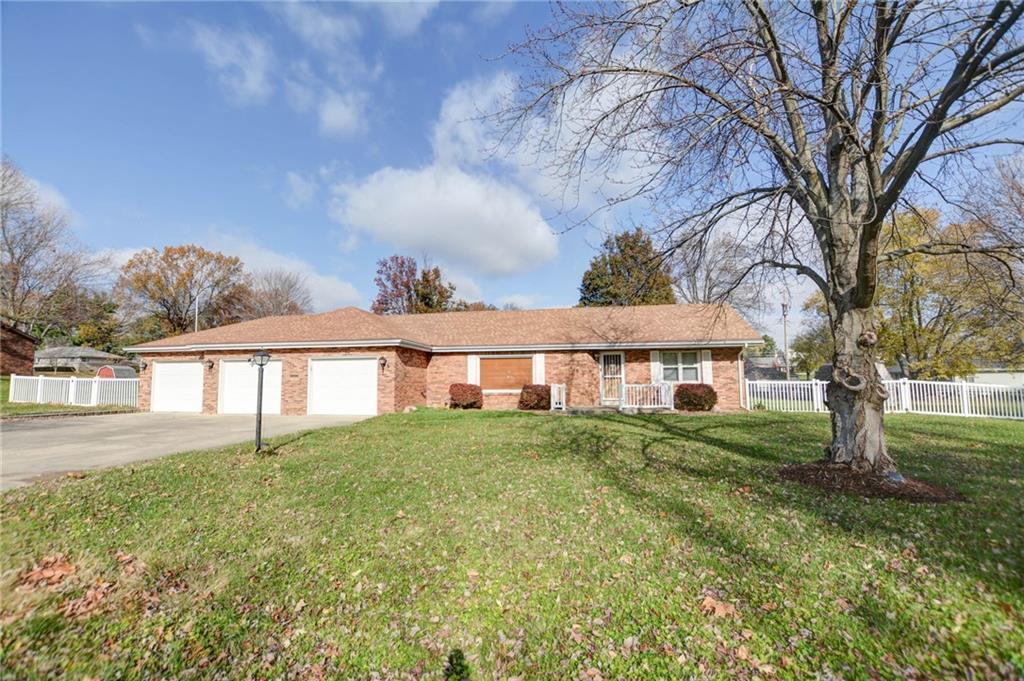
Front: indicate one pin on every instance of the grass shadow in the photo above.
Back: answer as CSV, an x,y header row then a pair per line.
x,y
645,456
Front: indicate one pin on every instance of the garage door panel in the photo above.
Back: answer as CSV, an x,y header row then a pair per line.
x,y
177,386
343,386
238,386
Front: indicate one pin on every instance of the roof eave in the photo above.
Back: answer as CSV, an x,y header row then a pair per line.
x,y
400,342
200,347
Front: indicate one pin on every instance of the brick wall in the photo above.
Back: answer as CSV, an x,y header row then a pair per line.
x,y
294,376
410,378
17,353
725,367
413,377
580,372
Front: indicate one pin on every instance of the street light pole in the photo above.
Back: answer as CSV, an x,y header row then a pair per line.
x,y
785,337
260,359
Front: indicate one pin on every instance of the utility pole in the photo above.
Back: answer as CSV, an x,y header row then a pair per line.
x,y
785,337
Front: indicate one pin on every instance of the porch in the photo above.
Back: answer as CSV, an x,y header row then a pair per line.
x,y
632,396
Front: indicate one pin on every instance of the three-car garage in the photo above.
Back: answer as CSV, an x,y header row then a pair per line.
x,y
334,385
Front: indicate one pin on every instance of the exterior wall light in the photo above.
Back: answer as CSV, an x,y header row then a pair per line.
x,y
383,362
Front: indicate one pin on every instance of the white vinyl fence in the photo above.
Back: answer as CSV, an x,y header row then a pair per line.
x,y
946,398
82,392
647,396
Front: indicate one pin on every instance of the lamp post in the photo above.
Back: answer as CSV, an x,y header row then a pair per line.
x,y
260,359
785,337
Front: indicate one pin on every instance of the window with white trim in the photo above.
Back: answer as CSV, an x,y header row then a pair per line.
x,y
680,367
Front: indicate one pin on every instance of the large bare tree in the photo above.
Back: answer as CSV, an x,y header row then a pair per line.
x,y
716,272
277,292
44,270
806,122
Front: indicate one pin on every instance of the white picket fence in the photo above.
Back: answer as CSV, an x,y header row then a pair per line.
x,y
82,392
945,398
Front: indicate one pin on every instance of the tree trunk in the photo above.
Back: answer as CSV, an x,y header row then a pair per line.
x,y
856,396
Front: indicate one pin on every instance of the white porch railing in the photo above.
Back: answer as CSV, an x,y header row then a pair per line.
x,y
558,397
946,398
647,396
81,392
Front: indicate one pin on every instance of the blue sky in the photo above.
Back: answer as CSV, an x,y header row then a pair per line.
x,y
314,137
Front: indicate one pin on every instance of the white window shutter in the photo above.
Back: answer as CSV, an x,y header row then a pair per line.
x,y
538,368
655,366
473,369
705,367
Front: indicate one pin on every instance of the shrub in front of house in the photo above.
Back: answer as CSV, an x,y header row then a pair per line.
x,y
695,397
535,397
465,396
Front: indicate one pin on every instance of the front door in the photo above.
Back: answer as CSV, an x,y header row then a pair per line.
x,y
613,375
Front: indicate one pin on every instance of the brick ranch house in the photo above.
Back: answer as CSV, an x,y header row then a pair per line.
x,y
350,361
17,350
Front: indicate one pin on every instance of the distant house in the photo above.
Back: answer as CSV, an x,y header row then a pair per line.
x,y
79,358
17,350
824,372
997,375
765,369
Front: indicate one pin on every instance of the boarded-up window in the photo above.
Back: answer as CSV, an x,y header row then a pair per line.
x,y
505,373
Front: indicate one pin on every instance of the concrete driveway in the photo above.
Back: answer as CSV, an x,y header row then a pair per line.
x,y
35,447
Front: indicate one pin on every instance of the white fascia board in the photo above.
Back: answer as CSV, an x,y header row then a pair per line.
x,y
200,347
659,345
539,347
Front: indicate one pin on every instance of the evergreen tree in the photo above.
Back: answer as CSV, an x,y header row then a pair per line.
x,y
627,271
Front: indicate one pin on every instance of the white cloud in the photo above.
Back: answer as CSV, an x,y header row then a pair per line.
x,y
489,13
51,198
323,29
300,86
241,59
404,18
329,292
461,134
465,287
465,220
299,189
341,114
519,300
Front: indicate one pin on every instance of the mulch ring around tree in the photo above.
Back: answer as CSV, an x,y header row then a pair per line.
x,y
833,477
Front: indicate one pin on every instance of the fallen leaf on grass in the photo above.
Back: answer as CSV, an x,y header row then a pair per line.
x,y
843,604
716,608
87,604
745,489
130,565
626,559
50,571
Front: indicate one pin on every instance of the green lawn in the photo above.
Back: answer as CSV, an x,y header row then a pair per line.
x,y
28,408
543,546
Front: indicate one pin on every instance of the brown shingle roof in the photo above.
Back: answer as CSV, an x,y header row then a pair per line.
x,y
581,326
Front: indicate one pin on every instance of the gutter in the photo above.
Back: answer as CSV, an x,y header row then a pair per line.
x,y
439,349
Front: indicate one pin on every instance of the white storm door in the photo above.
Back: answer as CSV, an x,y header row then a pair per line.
x,y
613,375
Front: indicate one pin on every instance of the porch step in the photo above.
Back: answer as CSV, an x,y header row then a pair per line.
x,y
585,411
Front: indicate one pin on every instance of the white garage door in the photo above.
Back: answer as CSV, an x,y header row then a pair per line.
x,y
343,386
177,386
238,381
